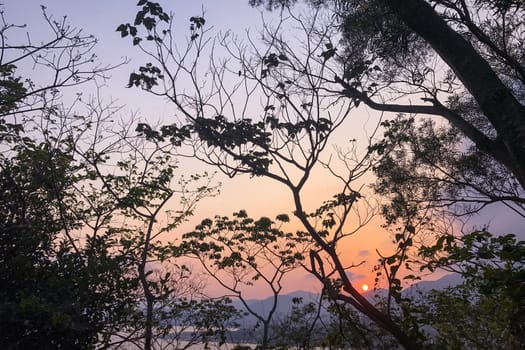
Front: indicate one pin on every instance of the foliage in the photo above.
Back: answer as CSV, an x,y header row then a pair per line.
x,y
55,291
487,309
238,242
65,59
284,143
79,224
430,180
455,57
487,32
241,252
297,330
12,89
423,166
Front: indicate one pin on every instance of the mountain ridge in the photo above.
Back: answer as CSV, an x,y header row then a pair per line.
x,y
285,301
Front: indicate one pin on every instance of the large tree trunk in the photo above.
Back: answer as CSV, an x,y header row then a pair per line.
x,y
353,297
496,101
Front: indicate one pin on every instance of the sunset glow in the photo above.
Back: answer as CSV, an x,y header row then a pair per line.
x,y
364,287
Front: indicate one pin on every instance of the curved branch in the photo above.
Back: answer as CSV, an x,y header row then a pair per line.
x,y
496,100
492,147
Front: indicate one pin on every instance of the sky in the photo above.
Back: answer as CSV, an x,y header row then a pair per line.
x,y
258,196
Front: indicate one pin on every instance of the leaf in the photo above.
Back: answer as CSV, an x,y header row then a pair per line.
x,y
149,23
165,17
283,218
198,21
139,18
123,29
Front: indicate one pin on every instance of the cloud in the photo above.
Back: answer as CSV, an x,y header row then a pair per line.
x,y
355,276
310,276
363,253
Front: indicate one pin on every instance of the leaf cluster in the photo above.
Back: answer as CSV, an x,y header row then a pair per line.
x,y
242,242
147,17
486,309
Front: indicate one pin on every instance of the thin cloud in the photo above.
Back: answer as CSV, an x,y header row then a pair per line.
x,y
355,276
363,252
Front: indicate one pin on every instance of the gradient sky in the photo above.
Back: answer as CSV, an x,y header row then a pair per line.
x,y
257,196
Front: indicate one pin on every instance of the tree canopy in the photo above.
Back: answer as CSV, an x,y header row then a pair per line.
x,y
92,253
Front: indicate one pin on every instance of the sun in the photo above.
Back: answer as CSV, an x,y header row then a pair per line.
x,y
364,287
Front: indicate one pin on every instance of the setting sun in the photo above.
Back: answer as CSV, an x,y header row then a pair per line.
x,y
364,287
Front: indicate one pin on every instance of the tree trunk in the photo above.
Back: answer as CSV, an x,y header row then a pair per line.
x,y
150,299
266,326
496,101
355,298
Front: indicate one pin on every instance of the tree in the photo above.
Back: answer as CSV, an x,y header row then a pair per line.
x,y
80,225
486,32
489,301
65,60
139,178
284,145
479,66
81,237
463,60
55,292
470,53
300,328
243,252
476,45
478,42
57,289
431,172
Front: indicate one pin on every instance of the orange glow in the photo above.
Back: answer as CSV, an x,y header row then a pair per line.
x,y
364,287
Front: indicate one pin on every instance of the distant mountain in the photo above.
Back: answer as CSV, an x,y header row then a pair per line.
x,y
285,301
426,286
248,332
416,289
263,306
